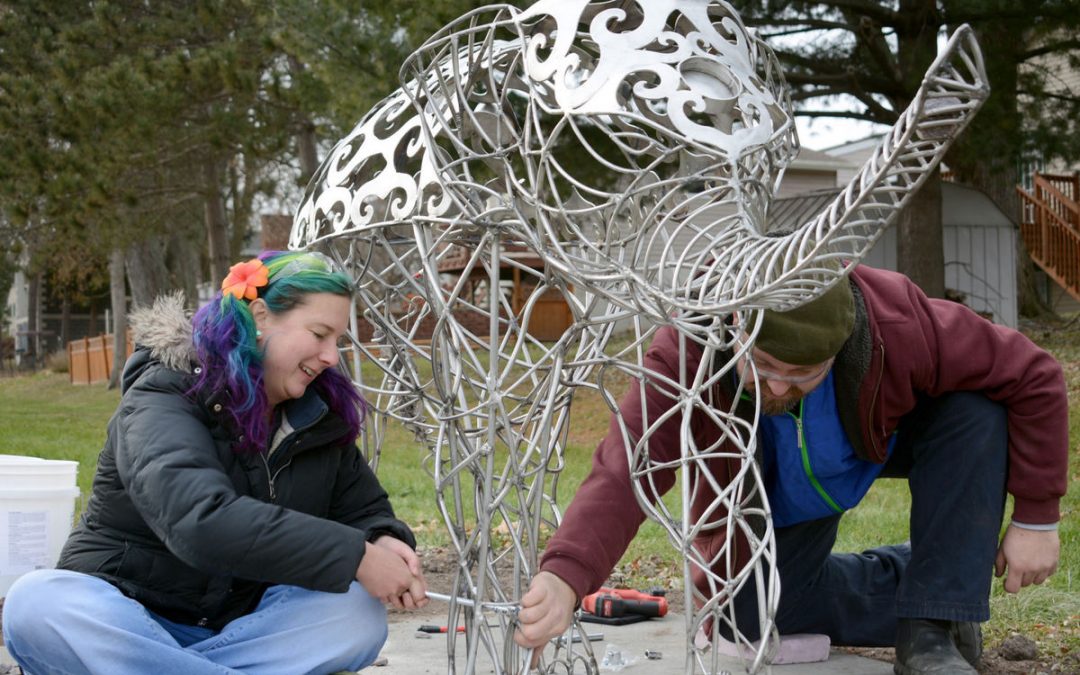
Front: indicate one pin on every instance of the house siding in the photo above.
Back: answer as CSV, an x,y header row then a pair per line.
x,y
797,181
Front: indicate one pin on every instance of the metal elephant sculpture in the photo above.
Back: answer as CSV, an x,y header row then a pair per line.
x,y
615,159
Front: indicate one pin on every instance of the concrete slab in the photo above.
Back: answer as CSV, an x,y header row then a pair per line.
x,y
407,654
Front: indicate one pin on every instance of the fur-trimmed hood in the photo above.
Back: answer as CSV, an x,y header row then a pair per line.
x,y
165,329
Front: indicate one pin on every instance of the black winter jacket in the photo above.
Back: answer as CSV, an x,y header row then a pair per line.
x,y
195,531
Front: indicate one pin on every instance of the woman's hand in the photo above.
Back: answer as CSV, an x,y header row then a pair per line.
x,y
391,572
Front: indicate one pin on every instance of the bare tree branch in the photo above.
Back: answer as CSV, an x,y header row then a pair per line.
x,y
840,114
849,81
870,8
1057,96
985,13
801,24
872,37
1050,48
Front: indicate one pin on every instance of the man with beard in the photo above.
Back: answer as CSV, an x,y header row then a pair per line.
x,y
871,379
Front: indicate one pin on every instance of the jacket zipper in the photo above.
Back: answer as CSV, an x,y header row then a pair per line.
x,y
269,477
804,452
874,402
273,478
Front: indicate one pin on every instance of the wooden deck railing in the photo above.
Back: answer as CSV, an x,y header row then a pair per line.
x,y
1067,184
1050,226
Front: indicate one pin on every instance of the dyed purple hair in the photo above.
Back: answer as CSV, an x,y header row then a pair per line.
x,y
224,335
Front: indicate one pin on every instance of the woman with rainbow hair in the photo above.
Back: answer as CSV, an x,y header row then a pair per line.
x,y
233,526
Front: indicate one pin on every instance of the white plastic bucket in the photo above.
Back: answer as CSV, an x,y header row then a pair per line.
x,y
37,504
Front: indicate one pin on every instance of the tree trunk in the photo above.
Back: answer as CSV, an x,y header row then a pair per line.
x,y
920,248
65,318
119,315
33,321
187,266
1029,302
306,145
243,173
988,154
217,225
148,275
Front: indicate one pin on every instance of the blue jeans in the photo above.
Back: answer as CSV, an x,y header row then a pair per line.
x,y
953,451
63,622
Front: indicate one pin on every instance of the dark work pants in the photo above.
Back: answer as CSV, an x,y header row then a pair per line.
x,y
953,451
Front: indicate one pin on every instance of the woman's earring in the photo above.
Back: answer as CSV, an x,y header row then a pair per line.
x,y
258,333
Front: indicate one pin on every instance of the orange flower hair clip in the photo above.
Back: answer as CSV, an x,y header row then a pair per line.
x,y
245,279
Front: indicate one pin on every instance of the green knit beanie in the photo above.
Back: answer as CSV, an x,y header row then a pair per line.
x,y
811,333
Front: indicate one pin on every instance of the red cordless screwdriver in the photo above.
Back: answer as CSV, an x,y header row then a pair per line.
x,y
428,628
610,602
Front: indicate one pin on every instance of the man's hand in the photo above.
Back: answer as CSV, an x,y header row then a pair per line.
x,y
546,611
1029,557
391,572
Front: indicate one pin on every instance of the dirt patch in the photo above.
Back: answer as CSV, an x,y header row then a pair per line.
x,y
993,663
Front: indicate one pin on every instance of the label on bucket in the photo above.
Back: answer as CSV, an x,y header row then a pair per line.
x,y
26,534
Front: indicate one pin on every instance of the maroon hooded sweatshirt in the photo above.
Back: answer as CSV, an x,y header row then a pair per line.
x,y
903,345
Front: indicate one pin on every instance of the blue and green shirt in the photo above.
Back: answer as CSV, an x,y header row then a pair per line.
x,y
811,470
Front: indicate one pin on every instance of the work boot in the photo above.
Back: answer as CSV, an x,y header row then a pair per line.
x,y
967,636
926,647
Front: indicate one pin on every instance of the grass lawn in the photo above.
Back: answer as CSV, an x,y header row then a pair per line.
x,y
42,415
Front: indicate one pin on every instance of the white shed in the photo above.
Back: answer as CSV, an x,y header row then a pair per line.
x,y
979,242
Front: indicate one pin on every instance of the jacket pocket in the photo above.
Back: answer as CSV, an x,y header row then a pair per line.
x,y
108,561
136,564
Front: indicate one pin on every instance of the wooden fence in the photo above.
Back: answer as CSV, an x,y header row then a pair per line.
x,y
90,360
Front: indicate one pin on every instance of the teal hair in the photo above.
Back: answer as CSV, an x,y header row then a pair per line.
x,y
225,341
